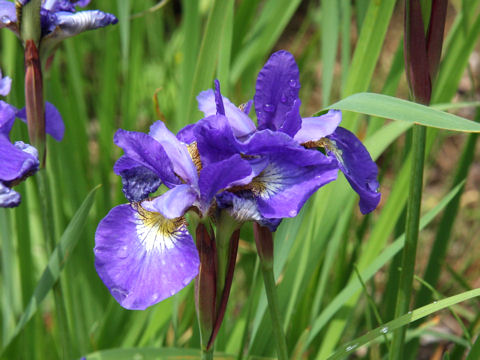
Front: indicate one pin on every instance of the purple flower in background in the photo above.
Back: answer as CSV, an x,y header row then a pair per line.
x,y
277,107
18,160
143,250
58,19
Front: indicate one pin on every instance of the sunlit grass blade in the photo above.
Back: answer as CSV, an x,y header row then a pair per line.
x,y
402,321
330,29
403,110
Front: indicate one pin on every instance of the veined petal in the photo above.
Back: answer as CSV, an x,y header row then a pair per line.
x,y
54,125
8,197
16,161
143,258
174,203
147,152
239,121
358,167
284,186
315,128
276,90
176,151
243,207
138,182
5,82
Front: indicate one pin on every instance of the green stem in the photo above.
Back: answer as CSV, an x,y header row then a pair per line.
x,y
47,217
411,238
207,354
277,324
264,242
226,225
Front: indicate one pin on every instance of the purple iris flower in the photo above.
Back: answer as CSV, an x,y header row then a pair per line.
x,y
58,19
285,173
277,107
19,160
143,250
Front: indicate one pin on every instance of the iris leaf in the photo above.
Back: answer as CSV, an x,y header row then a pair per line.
x,y
398,109
57,261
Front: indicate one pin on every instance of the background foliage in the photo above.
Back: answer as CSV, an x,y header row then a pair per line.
x,y
337,270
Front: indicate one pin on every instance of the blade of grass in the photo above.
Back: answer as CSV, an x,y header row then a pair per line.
x,y
368,267
401,321
55,265
329,26
208,56
403,110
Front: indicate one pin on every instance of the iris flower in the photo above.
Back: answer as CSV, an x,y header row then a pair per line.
x,y
143,250
59,20
277,108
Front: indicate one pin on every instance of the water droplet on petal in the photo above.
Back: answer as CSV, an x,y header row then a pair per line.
x,y
283,98
5,19
384,330
269,108
292,83
154,297
292,213
172,292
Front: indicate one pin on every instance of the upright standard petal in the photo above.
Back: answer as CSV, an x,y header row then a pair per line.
x,y
358,167
143,258
316,128
276,90
239,121
176,151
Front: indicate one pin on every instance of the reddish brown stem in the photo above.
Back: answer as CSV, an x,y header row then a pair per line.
x,y
232,259
34,103
205,283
